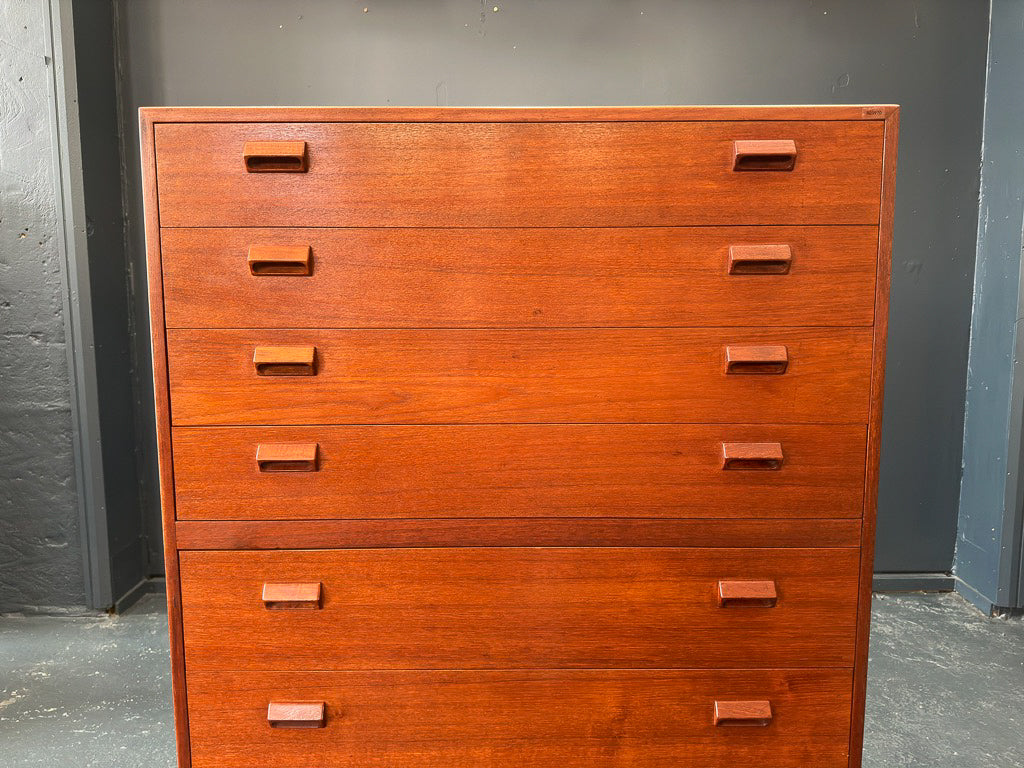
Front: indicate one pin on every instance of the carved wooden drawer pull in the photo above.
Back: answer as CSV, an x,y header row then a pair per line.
x,y
287,457
275,156
764,155
306,596
297,714
756,359
280,260
758,456
285,361
760,259
750,713
749,594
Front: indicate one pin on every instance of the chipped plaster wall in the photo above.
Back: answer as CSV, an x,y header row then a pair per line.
x,y
40,555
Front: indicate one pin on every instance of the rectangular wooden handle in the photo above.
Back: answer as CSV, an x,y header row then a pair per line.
x,y
275,156
750,713
760,259
759,456
297,714
747,594
288,457
306,596
764,155
285,361
280,260
756,359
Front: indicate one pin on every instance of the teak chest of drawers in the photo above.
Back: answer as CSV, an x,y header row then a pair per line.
x,y
520,438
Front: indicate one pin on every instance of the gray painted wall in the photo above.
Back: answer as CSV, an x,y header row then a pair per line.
x,y
40,555
586,52
113,323
988,553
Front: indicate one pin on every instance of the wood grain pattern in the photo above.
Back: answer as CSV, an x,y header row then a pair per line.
x,y
515,532
502,376
543,719
764,155
619,470
705,113
281,457
284,361
743,713
518,174
747,456
760,259
292,596
756,359
162,418
420,278
747,594
275,156
519,608
874,435
612,324
297,714
263,260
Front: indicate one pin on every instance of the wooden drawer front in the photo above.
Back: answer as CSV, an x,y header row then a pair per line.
x,y
467,608
529,470
476,376
548,719
420,278
518,174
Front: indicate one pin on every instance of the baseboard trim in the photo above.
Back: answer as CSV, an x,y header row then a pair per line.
x,y
913,582
155,585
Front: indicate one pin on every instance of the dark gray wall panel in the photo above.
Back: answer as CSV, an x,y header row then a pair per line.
x,y
100,123
40,554
988,555
580,52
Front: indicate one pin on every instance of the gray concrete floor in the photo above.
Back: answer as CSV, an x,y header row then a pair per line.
x,y
945,685
946,688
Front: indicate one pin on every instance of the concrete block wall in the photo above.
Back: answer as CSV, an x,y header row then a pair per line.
x,y
40,551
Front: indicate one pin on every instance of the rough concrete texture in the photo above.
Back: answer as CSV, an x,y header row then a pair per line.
x,y
40,558
945,690
86,691
945,686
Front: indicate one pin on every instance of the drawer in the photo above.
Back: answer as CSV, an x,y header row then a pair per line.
x,y
501,376
549,719
422,278
510,174
523,470
519,608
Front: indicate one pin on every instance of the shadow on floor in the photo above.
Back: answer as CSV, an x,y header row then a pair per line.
x,y
946,688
